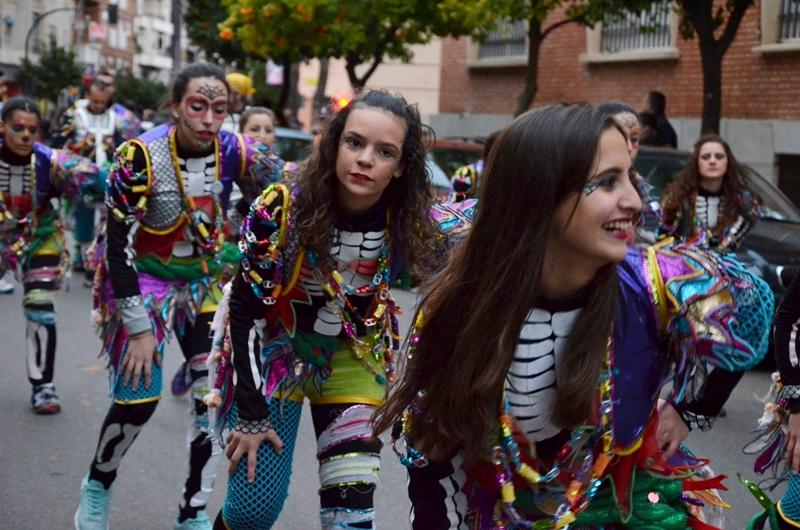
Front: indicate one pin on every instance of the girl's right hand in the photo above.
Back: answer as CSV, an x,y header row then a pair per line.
x,y
240,444
139,360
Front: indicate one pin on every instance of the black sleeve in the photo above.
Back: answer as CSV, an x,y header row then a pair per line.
x,y
787,357
119,248
700,414
245,308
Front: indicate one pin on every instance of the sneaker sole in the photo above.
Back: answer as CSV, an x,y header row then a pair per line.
x,y
48,410
77,525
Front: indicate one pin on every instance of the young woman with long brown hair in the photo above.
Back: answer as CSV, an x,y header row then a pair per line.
x,y
317,263
709,199
532,379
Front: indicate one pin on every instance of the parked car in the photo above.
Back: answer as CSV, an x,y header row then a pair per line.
x,y
772,247
451,154
293,145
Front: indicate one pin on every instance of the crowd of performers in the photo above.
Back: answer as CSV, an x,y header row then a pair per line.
x,y
549,389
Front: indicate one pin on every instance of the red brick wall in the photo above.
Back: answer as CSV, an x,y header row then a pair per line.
x,y
755,85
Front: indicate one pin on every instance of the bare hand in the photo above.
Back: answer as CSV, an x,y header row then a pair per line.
x,y
793,442
671,429
139,360
240,444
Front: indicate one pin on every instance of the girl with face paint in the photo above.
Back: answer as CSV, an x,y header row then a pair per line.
x,y
165,261
531,384
317,264
708,199
31,234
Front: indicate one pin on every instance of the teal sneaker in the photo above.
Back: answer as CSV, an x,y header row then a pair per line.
x,y
198,522
92,513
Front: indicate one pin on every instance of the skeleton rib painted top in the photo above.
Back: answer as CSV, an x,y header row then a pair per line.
x,y
532,377
356,258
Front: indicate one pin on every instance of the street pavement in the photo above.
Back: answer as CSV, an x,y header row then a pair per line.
x,y
44,458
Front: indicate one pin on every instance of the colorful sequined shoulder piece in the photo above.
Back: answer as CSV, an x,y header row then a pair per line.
x,y
129,126
127,188
264,236
261,166
454,220
718,313
75,176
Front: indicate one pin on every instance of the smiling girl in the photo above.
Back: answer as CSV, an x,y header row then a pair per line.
x,y
530,396
31,234
164,265
317,264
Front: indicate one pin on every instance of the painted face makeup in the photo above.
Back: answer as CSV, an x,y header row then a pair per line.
x,y
200,113
596,226
20,132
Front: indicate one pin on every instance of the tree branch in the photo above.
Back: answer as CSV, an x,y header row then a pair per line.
x,y
734,20
564,22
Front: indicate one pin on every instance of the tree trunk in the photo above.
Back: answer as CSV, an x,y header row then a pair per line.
x,y
528,94
283,97
319,93
176,17
712,88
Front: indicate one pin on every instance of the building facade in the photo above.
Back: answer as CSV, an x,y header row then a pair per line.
x,y
418,80
616,61
17,26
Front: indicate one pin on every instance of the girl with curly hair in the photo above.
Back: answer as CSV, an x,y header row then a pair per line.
x,y
317,263
708,199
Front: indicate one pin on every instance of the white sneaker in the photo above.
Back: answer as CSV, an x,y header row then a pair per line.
x,y
6,285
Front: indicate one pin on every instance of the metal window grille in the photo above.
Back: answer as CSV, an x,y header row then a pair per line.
x,y
790,20
636,30
507,40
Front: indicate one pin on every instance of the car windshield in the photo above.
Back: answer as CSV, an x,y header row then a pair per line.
x,y
452,157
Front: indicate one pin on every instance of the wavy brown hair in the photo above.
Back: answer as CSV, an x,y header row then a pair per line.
x,y
408,197
680,192
478,303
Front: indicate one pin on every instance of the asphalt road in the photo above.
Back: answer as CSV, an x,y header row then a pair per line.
x,y
44,458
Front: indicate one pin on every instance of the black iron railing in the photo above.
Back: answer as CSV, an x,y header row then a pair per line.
x,y
507,40
790,20
637,30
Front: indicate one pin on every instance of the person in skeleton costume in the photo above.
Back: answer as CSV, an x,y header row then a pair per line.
x,y
317,263
165,261
93,127
530,396
778,442
31,234
709,205
708,201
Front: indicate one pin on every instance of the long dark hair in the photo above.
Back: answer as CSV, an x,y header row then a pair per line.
x,y
408,197
680,192
478,304
193,71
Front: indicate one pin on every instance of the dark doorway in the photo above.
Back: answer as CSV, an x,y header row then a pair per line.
x,y
789,176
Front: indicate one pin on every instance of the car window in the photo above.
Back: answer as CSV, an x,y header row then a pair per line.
x,y
776,205
450,159
292,149
436,174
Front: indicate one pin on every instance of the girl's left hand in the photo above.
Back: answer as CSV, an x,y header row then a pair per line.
x,y
671,429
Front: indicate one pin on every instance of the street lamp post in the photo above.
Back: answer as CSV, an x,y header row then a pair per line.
x,y
36,23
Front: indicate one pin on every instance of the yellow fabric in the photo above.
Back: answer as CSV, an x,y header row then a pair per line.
x,y
348,382
240,83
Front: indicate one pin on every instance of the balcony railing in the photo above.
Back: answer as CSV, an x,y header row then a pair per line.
x,y
637,30
790,21
507,40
